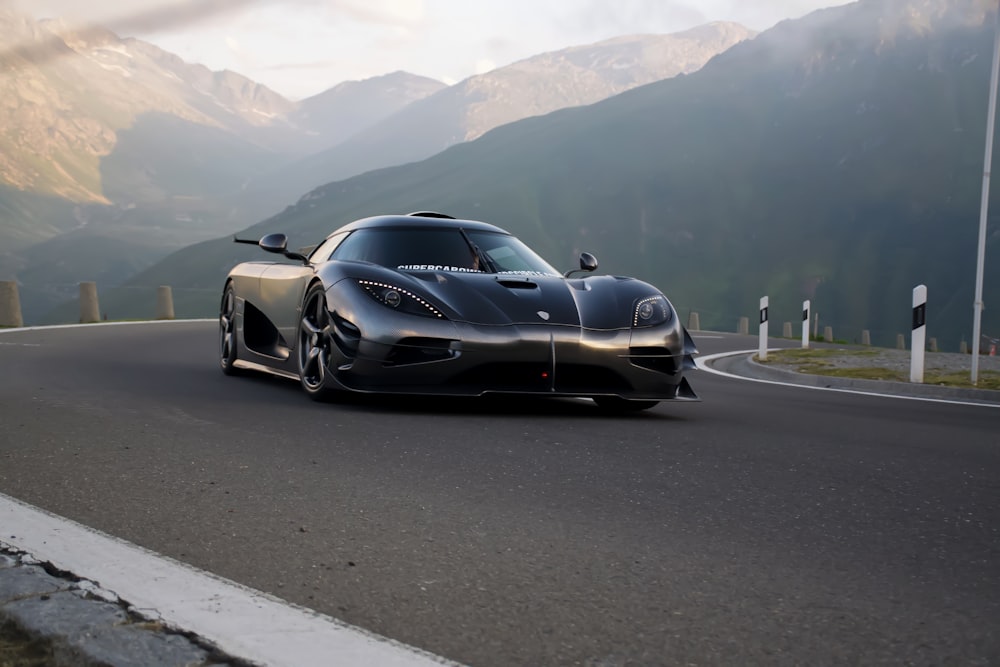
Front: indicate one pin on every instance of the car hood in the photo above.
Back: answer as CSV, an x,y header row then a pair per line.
x,y
598,302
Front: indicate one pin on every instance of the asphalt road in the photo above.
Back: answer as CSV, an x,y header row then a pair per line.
x,y
766,525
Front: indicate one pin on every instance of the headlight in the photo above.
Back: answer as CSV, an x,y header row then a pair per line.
x,y
398,298
651,311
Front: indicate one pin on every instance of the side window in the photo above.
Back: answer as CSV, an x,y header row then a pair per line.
x,y
326,248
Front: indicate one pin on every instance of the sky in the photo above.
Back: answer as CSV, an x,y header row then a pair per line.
x,y
303,47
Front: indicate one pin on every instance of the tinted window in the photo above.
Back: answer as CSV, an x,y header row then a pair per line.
x,y
408,247
440,250
509,255
326,248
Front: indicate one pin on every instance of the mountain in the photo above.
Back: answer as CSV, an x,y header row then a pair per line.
x,y
124,145
835,157
65,96
535,86
121,144
351,107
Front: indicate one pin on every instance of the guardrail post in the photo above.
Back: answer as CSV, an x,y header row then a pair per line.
x,y
866,337
89,308
10,305
805,324
164,303
743,326
762,347
919,335
694,322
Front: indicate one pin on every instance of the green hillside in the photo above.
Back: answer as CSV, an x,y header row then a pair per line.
x,y
837,158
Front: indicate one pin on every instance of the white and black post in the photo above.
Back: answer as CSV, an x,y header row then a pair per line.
x,y
805,324
919,340
762,351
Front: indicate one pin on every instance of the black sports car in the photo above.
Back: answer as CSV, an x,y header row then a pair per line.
x,y
427,304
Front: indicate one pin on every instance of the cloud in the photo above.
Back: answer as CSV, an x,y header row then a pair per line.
x,y
383,12
630,16
485,65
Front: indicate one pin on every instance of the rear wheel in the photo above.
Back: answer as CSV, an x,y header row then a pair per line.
x,y
617,404
315,344
227,331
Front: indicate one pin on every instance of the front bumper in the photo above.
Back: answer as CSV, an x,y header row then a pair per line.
x,y
408,354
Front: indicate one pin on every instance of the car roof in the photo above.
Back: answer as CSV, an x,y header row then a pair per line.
x,y
425,220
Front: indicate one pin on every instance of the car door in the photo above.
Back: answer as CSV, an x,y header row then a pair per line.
x,y
282,287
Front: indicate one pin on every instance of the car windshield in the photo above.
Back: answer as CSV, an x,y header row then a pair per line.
x,y
442,249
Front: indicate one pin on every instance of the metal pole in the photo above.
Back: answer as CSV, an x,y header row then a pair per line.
x,y
977,306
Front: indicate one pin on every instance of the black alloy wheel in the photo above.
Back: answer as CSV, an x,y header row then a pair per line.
x,y
315,347
227,331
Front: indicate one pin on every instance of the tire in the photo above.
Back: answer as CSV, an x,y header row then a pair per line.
x,y
227,331
614,404
315,345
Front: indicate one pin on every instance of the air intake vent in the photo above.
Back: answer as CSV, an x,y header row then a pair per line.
x,y
430,214
518,284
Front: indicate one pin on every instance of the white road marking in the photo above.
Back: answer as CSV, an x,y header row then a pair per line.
x,y
240,621
45,327
21,344
702,363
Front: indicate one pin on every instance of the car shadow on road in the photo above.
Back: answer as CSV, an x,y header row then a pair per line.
x,y
489,405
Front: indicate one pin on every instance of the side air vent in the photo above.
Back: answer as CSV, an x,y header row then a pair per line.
x,y
430,214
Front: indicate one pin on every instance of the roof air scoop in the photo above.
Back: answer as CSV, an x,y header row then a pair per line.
x,y
430,214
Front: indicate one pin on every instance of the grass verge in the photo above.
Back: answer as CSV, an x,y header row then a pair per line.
x,y
821,362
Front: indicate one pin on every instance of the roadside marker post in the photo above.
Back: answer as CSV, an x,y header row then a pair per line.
x,y
805,324
10,305
90,311
762,351
919,337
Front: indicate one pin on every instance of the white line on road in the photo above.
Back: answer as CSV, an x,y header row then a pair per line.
x,y
702,363
240,621
46,327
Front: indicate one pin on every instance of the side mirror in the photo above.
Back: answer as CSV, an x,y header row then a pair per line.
x,y
588,263
274,243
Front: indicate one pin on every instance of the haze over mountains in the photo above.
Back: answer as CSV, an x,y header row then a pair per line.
x,y
114,152
532,87
837,157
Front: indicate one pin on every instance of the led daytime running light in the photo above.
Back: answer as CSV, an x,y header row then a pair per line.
x,y
370,284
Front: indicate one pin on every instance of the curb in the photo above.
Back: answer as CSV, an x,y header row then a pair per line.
x,y
87,626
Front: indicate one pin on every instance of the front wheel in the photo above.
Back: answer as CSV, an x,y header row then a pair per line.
x,y
620,405
315,344
227,331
